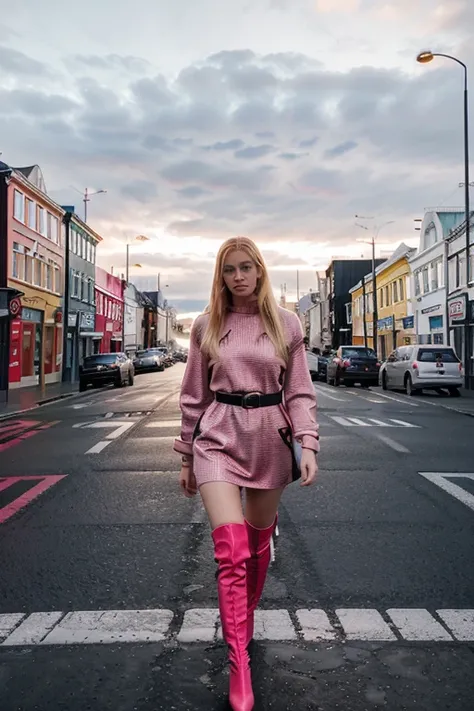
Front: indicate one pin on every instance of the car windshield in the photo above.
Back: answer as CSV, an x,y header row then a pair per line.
x,y
149,352
358,353
100,359
432,355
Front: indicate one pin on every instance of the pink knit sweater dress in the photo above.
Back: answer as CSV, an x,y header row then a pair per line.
x,y
231,443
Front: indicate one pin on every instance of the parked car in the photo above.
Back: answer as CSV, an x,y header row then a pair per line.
x,y
317,364
353,364
167,356
417,368
149,359
104,368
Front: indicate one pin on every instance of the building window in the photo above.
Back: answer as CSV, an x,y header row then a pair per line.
x,y
381,298
41,221
49,277
387,296
29,269
38,268
401,289
31,213
19,206
395,292
453,274
52,228
440,270
462,270
93,254
75,285
58,287
426,280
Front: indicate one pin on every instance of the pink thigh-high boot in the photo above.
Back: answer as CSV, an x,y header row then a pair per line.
x,y
231,550
257,567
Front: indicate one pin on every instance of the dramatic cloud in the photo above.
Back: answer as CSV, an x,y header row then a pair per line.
x,y
194,143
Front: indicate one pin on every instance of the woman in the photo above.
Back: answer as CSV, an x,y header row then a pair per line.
x,y
246,382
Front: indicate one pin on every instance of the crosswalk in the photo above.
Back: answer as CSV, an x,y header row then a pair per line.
x,y
203,625
371,422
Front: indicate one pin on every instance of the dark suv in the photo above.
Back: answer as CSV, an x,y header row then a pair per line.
x,y
104,368
353,364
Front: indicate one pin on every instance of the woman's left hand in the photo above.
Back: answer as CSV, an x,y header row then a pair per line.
x,y
309,467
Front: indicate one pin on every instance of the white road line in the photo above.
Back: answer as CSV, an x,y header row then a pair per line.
x,y
323,393
97,448
396,399
111,626
315,625
163,424
365,624
108,415
8,622
378,402
199,625
418,625
405,424
379,423
202,625
342,421
34,629
124,426
460,622
392,443
359,422
441,479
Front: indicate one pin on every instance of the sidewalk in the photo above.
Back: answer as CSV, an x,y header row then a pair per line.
x,y
23,399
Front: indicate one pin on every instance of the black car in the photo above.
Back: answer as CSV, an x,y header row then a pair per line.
x,y
104,368
149,359
353,364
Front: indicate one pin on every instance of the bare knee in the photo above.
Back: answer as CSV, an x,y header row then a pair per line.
x,y
223,503
261,506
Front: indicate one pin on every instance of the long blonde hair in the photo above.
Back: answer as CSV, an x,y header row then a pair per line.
x,y
221,300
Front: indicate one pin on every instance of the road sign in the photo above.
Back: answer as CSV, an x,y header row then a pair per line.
x,y
15,307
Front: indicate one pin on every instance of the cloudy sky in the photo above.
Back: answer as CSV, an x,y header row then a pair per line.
x,y
278,119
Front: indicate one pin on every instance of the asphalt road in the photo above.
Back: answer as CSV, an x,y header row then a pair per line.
x,y
107,592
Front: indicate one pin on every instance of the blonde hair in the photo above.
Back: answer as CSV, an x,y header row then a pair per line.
x,y
221,300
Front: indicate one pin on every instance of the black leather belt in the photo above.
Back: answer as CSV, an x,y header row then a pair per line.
x,y
250,401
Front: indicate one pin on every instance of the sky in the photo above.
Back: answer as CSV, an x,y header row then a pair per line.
x,y
276,119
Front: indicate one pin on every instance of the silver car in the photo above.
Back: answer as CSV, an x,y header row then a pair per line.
x,y
417,368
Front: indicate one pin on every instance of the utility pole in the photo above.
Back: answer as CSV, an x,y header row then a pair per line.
x,y
364,297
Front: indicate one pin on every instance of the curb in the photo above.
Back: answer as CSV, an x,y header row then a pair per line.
x,y
42,403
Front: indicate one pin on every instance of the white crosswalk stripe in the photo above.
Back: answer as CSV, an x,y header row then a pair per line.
x,y
202,625
371,422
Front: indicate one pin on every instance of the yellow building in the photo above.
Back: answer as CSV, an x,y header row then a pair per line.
x,y
395,322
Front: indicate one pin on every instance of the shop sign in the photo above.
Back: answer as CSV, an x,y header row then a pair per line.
x,y
87,321
31,315
408,322
72,319
385,324
457,309
431,309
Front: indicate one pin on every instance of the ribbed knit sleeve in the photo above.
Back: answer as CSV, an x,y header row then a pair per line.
x,y
195,393
299,394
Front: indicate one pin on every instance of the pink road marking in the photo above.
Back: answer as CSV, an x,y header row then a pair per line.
x,y
9,481
10,427
26,435
44,482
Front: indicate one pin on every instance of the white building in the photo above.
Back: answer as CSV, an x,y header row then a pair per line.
x,y
460,306
318,315
429,267
133,320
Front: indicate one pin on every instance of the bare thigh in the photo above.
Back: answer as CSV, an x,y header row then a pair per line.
x,y
223,503
261,506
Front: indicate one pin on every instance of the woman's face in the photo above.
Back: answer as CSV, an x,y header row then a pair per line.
x,y
240,274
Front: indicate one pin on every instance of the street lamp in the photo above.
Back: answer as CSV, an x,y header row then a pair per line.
x,y
424,58
375,234
87,197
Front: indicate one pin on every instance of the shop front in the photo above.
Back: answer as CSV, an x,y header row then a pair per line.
x,y
405,331
386,337
457,314
36,341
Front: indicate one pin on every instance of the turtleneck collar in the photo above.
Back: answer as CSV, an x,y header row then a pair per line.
x,y
251,308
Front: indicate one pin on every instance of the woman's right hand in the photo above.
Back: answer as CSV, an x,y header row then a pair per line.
x,y
187,482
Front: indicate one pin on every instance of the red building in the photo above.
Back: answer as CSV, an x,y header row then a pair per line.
x,y
109,299
35,267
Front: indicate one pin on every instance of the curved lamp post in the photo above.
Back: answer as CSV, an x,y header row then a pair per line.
x,y
424,58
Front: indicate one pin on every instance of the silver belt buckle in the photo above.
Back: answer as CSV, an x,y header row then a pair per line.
x,y
247,401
